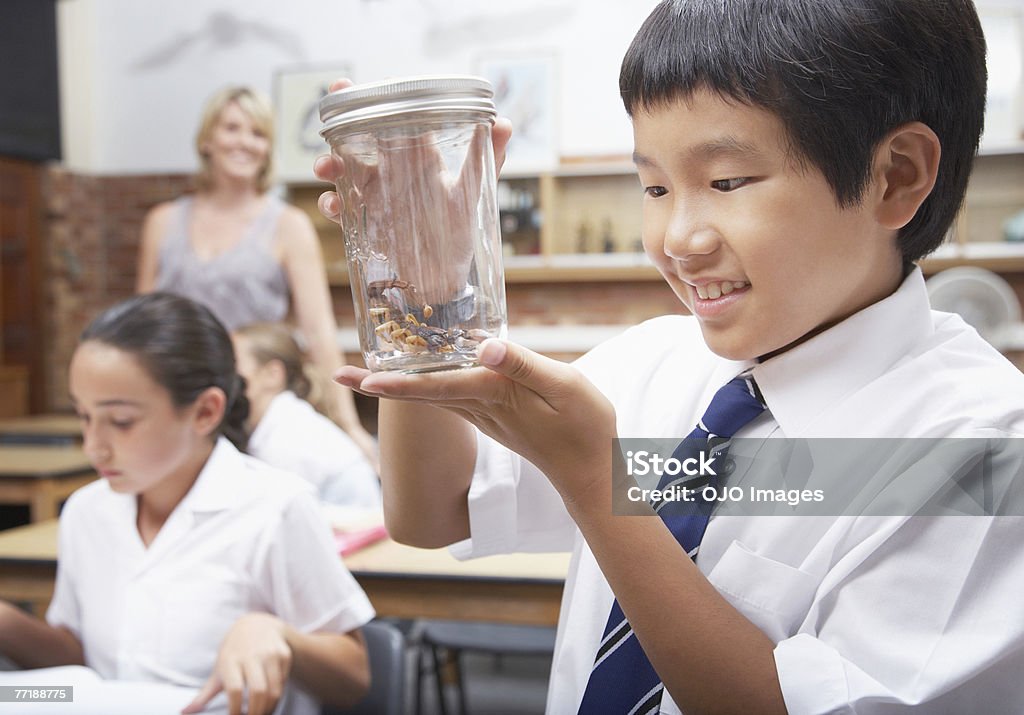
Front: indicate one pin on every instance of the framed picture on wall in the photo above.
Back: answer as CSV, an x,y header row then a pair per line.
x,y
1004,107
525,89
297,94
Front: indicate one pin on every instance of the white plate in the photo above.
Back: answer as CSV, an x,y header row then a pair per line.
x,y
982,298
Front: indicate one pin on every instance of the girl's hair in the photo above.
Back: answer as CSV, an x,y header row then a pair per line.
x,y
183,347
276,341
256,107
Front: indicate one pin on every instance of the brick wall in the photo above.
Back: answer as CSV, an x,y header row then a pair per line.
x,y
92,227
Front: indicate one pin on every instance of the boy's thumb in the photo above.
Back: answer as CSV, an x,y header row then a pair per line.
x,y
532,371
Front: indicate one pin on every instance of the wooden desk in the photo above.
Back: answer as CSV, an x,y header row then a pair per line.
x,y
28,564
41,429
42,476
401,581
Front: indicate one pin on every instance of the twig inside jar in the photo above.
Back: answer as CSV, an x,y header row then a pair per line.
x,y
397,328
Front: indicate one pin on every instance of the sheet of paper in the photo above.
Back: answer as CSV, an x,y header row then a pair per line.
x,y
95,696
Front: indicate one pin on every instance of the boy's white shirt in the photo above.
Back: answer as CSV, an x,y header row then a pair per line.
x,y
869,614
246,537
293,436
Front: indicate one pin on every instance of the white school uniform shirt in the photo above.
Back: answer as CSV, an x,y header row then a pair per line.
x,y
869,615
245,538
293,436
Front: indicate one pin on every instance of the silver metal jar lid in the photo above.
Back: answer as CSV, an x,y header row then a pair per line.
x,y
395,97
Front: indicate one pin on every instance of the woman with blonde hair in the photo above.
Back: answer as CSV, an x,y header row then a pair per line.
x,y
285,429
241,251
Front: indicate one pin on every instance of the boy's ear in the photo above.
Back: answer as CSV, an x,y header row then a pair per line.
x,y
906,164
208,410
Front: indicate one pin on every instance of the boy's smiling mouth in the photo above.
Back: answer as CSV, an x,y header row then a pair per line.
x,y
716,289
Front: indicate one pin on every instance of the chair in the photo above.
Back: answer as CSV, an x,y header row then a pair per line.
x,y
457,636
386,647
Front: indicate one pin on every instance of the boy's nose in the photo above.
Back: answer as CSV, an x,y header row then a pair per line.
x,y
688,235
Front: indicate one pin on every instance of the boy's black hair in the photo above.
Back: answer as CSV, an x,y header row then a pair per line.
x,y
839,74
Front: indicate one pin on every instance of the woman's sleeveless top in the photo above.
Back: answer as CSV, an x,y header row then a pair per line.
x,y
243,285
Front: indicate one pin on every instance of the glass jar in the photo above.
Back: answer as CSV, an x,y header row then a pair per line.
x,y
419,217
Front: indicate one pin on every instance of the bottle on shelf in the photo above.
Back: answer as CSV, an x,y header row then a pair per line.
x,y
583,237
607,237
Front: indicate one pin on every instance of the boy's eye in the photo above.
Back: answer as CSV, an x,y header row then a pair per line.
x,y
655,191
729,184
122,424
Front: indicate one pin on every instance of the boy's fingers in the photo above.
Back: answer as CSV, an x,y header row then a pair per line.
x,y
532,371
350,376
340,84
440,388
325,168
329,205
501,133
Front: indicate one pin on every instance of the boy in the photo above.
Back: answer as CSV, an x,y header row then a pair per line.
x,y
797,158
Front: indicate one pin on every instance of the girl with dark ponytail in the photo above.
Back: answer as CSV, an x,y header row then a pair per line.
x,y
183,347
179,565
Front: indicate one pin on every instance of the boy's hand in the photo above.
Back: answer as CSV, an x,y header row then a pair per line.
x,y
254,659
404,195
542,409
326,169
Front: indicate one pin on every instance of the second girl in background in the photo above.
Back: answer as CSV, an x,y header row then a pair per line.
x,y
286,431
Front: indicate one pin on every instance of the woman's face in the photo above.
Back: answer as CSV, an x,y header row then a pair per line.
x,y
133,434
237,149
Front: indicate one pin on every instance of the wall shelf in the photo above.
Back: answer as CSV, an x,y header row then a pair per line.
x,y
565,268
565,218
1002,149
999,257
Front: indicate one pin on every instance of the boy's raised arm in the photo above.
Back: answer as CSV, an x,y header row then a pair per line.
x,y
551,415
427,458
427,454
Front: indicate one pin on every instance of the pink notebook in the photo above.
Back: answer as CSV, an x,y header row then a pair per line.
x,y
350,541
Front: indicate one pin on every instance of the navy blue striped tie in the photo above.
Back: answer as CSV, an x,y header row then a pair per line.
x,y
623,681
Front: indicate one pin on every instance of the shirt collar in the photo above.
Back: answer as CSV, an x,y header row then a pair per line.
x,y
276,412
805,381
220,482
